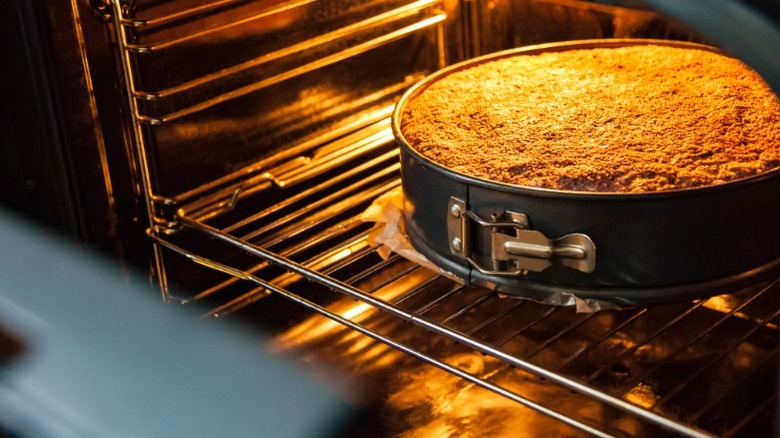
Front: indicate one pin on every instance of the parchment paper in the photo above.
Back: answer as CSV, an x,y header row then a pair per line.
x,y
387,213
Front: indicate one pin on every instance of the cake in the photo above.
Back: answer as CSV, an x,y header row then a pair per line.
x,y
639,118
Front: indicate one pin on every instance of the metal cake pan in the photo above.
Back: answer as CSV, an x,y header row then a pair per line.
x,y
625,248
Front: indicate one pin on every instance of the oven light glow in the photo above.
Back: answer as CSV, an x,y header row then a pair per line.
x,y
720,304
356,311
642,395
727,303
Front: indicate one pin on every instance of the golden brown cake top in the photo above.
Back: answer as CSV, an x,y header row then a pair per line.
x,y
630,119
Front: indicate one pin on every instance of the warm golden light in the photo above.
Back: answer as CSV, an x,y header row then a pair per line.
x,y
642,395
727,303
443,405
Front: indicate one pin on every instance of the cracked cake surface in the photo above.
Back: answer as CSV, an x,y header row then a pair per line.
x,y
641,118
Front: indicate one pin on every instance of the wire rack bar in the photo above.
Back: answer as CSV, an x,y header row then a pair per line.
x,y
527,326
255,177
734,430
496,317
182,14
563,332
161,45
350,52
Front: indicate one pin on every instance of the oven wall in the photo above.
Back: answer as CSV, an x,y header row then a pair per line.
x,y
35,172
65,161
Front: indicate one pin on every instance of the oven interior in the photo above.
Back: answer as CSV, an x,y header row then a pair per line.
x,y
257,133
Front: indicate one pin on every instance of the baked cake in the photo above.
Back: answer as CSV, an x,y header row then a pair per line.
x,y
641,118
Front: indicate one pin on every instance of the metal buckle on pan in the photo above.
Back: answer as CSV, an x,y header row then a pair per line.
x,y
515,249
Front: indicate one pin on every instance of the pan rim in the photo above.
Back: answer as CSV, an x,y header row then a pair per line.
x,y
561,46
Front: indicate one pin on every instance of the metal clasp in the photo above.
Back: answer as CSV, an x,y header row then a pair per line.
x,y
515,249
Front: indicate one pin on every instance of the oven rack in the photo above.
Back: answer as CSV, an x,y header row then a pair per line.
x,y
278,269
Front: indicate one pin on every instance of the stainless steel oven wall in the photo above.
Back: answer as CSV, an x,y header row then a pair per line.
x,y
64,158
499,25
211,90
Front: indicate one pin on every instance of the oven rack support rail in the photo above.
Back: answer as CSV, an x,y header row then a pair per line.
x,y
128,17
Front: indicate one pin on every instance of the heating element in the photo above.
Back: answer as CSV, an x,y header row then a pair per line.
x,y
281,229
